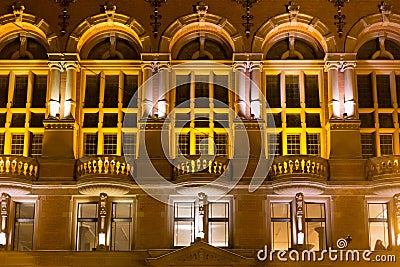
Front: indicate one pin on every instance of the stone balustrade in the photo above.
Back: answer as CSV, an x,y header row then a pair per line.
x,y
383,167
19,167
299,165
103,165
206,165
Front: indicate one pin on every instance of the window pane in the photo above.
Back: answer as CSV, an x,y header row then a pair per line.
x,y
315,236
3,91
293,144
292,91
378,226
312,92
221,144
383,89
201,144
2,139
218,234
91,120
364,91
218,210
17,144
367,120
184,233
87,210
280,210
129,144
20,91
274,144
18,120
184,210
221,92
182,90
121,226
386,121
313,144
183,144
315,210
386,146
378,210
87,226
110,144
24,225
92,92
398,88
111,91
313,120
368,145
37,120
130,88
293,120
36,144
281,235
202,91
90,144
273,90
39,91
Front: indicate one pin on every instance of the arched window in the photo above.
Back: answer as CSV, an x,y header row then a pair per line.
x,y
23,47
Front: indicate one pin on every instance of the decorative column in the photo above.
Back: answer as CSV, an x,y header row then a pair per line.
x,y
300,220
163,81
349,86
255,101
70,89
239,69
397,214
55,78
147,92
5,210
102,221
202,217
333,89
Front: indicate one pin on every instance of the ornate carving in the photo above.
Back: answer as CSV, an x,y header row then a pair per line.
x,y
293,9
4,213
201,255
397,214
248,4
383,167
18,10
201,10
109,9
64,16
385,10
300,218
339,17
112,165
19,166
155,4
215,166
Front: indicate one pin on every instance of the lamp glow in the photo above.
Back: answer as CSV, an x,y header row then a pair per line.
x,y
398,240
102,239
3,239
300,238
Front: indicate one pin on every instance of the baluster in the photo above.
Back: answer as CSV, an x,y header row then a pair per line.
x,y
198,165
118,165
14,166
300,165
290,169
187,166
36,170
100,165
204,164
210,166
106,165
285,167
112,165
8,163
280,168
26,168
192,164
94,165
1,165
31,170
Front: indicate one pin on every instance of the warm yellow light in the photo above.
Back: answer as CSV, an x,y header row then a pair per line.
x,y
102,239
3,239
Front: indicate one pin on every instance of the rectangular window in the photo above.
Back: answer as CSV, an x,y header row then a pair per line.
x,y
202,92
281,229
36,144
182,90
3,91
386,120
274,145
18,120
313,144
86,239
292,91
92,92
110,144
383,89
201,144
121,226
90,144
367,120
386,141
364,86
378,226
273,90
315,226
293,144
129,144
312,91
313,120
130,89
110,120
221,144
368,145
20,91
293,120
111,91
17,144
90,120
39,91
23,226
183,147
184,214
2,139
398,88
218,224
37,120
221,93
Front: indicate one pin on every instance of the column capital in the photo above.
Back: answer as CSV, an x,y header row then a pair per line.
x,y
241,65
348,65
56,65
255,65
71,65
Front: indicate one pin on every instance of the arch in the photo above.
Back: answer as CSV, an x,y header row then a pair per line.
x,y
303,27
98,28
188,28
33,30
376,27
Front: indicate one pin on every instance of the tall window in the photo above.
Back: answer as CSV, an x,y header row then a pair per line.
x,y
221,144
292,91
313,144
20,91
273,91
23,226
17,144
36,144
378,226
386,144
90,144
2,139
315,226
184,218
312,91
111,91
39,91
383,90
87,226
293,144
275,144
183,144
110,144
201,144
3,91
92,92
364,85
129,144
121,226
368,145
281,226
218,224
130,89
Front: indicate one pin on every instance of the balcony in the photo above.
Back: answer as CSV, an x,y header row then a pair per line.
x,y
20,172
384,172
207,168
108,174
299,173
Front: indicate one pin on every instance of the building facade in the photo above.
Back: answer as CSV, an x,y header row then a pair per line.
x,y
185,133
